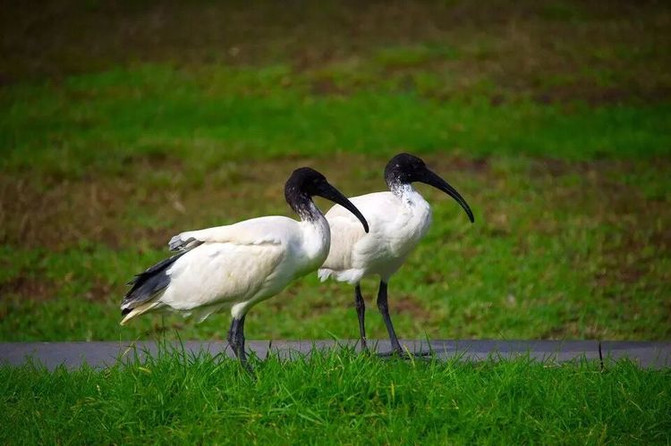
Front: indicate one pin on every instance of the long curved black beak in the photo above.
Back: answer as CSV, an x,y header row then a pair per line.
x,y
432,179
331,193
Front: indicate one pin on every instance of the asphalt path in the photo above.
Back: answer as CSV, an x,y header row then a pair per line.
x,y
105,354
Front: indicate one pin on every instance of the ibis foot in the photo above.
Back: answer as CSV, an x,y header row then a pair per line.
x,y
396,349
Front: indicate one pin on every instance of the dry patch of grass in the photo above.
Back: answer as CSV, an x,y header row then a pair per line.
x,y
27,286
551,51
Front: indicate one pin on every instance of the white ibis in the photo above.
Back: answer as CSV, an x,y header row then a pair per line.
x,y
240,265
398,220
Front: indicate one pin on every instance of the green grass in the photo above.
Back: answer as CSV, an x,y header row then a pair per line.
x,y
159,112
113,140
100,169
334,398
564,162
588,278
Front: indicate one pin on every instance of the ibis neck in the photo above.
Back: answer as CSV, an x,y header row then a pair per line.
x,y
316,237
306,208
409,196
400,189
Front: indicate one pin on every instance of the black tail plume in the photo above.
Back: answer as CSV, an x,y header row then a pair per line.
x,y
147,284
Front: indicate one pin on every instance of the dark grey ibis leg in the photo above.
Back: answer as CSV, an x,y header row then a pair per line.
x,y
236,339
384,309
360,312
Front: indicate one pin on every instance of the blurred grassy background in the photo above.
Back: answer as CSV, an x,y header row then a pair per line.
x,y
124,123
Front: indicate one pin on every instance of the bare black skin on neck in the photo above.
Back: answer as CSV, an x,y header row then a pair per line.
x,y
300,200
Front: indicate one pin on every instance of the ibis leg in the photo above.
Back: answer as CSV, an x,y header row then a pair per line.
x,y
384,309
236,339
360,312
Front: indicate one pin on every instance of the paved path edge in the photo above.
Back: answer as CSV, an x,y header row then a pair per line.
x,y
104,354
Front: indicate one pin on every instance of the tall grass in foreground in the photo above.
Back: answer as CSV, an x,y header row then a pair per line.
x,y
336,397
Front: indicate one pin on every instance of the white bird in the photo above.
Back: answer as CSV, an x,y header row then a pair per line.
x,y
240,265
398,220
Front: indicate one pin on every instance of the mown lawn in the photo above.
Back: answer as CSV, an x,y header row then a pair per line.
x,y
138,125
335,398
571,207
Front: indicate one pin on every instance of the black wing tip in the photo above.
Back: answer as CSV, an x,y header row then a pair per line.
x,y
149,283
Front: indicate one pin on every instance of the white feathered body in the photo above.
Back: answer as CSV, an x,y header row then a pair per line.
x,y
239,265
397,221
